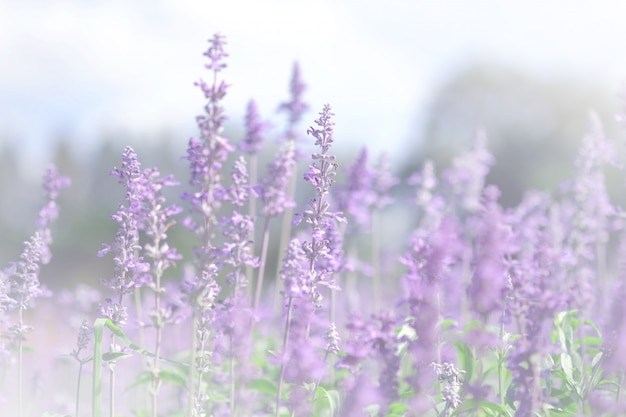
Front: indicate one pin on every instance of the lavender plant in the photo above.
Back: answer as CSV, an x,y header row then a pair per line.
x,y
486,311
21,286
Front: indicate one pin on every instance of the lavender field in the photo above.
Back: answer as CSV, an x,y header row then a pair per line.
x,y
294,310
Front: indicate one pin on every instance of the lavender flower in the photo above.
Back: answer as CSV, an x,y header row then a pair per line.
x,y
357,196
237,229
295,108
292,272
451,377
589,228
307,281
431,204
332,339
130,270
19,283
375,339
21,279
429,261
255,128
321,175
207,154
489,280
273,190
383,182
468,173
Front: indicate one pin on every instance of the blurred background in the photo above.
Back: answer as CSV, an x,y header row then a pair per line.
x,y
80,79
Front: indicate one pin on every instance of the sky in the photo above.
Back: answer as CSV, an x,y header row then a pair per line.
x,y
78,68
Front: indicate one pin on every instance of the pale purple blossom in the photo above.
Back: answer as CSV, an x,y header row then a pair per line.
x,y
383,182
489,280
20,284
237,250
469,172
255,128
321,175
357,197
130,270
295,107
293,271
208,152
332,339
430,203
273,190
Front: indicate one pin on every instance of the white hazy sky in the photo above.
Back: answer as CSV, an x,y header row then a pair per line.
x,y
78,67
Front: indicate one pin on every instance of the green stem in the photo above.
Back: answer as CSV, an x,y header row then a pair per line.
x,y
500,360
284,351
158,321
111,380
262,261
583,357
192,361
285,234
19,363
253,163
80,372
232,379
318,382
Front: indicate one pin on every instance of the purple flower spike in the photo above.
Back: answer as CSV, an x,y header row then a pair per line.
x,y
357,197
255,128
19,282
53,183
130,270
489,281
295,107
383,182
293,271
468,174
208,153
273,190
216,53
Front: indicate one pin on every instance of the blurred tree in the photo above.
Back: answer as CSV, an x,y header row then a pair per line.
x,y
12,218
534,126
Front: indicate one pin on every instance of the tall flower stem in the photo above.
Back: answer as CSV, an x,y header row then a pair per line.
x,y
80,374
281,374
192,361
156,378
285,229
19,365
375,253
253,164
112,377
263,260
232,376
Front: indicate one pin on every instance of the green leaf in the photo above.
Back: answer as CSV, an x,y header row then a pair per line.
x,y
397,409
498,409
114,356
489,409
567,367
447,324
98,357
466,357
327,400
263,386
